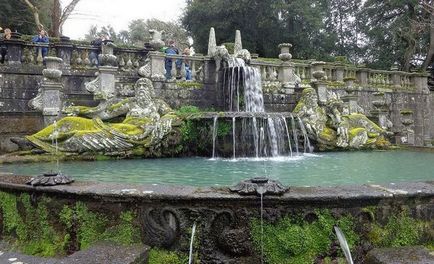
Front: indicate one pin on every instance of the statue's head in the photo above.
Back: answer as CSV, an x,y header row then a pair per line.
x,y
144,89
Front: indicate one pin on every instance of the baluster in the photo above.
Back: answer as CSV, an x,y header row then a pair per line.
x,y
270,73
136,63
173,71
193,70
121,62
129,62
85,57
263,73
183,73
39,58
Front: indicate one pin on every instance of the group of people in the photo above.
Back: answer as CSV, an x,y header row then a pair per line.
x,y
7,34
171,49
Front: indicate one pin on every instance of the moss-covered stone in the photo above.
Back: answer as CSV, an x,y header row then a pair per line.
x,y
39,229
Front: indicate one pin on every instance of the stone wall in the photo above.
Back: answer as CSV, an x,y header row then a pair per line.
x,y
164,215
19,84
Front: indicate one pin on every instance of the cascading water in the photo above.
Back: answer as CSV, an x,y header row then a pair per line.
x,y
243,92
214,137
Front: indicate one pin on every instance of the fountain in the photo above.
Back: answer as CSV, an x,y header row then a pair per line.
x,y
259,143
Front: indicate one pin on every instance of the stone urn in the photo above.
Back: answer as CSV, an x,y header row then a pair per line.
x,y
318,70
284,51
156,42
106,58
52,72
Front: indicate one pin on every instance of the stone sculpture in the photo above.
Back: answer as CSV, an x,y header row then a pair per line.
x,y
332,129
147,122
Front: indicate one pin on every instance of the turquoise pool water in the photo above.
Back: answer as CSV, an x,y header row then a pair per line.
x,y
324,169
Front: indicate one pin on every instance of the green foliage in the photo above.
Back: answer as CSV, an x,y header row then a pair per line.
x,y
187,110
159,256
93,227
189,84
229,46
224,127
295,241
34,233
400,230
125,233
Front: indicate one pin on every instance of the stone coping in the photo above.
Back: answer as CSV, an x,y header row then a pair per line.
x,y
126,192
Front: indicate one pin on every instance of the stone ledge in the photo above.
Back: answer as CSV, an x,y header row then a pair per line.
x,y
402,255
104,252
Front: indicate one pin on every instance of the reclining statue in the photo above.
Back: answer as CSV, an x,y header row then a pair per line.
x,y
147,121
331,129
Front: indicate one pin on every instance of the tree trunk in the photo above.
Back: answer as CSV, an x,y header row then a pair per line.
x,y
55,19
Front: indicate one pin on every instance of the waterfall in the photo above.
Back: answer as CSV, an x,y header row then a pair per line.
x,y
287,135
305,137
294,134
214,136
233,137
272,138
242,90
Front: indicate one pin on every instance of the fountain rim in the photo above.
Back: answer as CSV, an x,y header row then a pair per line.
x,y
326,195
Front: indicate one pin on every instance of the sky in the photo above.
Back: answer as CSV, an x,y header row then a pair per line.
x,y
118,13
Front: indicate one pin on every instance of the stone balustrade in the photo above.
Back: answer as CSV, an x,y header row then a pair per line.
x,y
74,55
181,65
340,75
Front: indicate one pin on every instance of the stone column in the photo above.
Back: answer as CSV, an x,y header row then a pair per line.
x,y
362,76
51,89
64,51
15,49
320,81
339,74
157,66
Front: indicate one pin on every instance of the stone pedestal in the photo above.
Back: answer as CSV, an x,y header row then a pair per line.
x,y
157,66
339,74
64,51
49,97
107,81
15,49
362,76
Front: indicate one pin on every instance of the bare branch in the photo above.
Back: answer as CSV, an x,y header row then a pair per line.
x,y
35,12
67,11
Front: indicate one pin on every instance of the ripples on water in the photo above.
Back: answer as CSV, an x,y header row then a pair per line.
x,y
325,169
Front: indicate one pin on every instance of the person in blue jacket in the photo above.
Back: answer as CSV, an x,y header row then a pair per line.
x,y
41,38
171,50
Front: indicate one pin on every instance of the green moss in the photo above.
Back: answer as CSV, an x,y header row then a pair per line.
x,y
159,256
400,230
189,84
328,134
118,105
406,112
335,84
125,233
352,133
30,228
296,241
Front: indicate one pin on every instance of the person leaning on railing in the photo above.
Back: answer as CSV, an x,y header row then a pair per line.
x,y
41,38
3,48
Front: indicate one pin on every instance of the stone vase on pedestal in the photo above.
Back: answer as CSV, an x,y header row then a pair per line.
x,y
49,98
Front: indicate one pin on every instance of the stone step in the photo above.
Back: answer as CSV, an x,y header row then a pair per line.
x,y
401,255
102,253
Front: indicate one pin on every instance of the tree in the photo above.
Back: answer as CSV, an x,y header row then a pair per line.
x,y
399,31
17,16
138,32
57,14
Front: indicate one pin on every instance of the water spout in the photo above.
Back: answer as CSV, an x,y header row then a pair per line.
x,y
344,244
190,256
233,138
214,136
